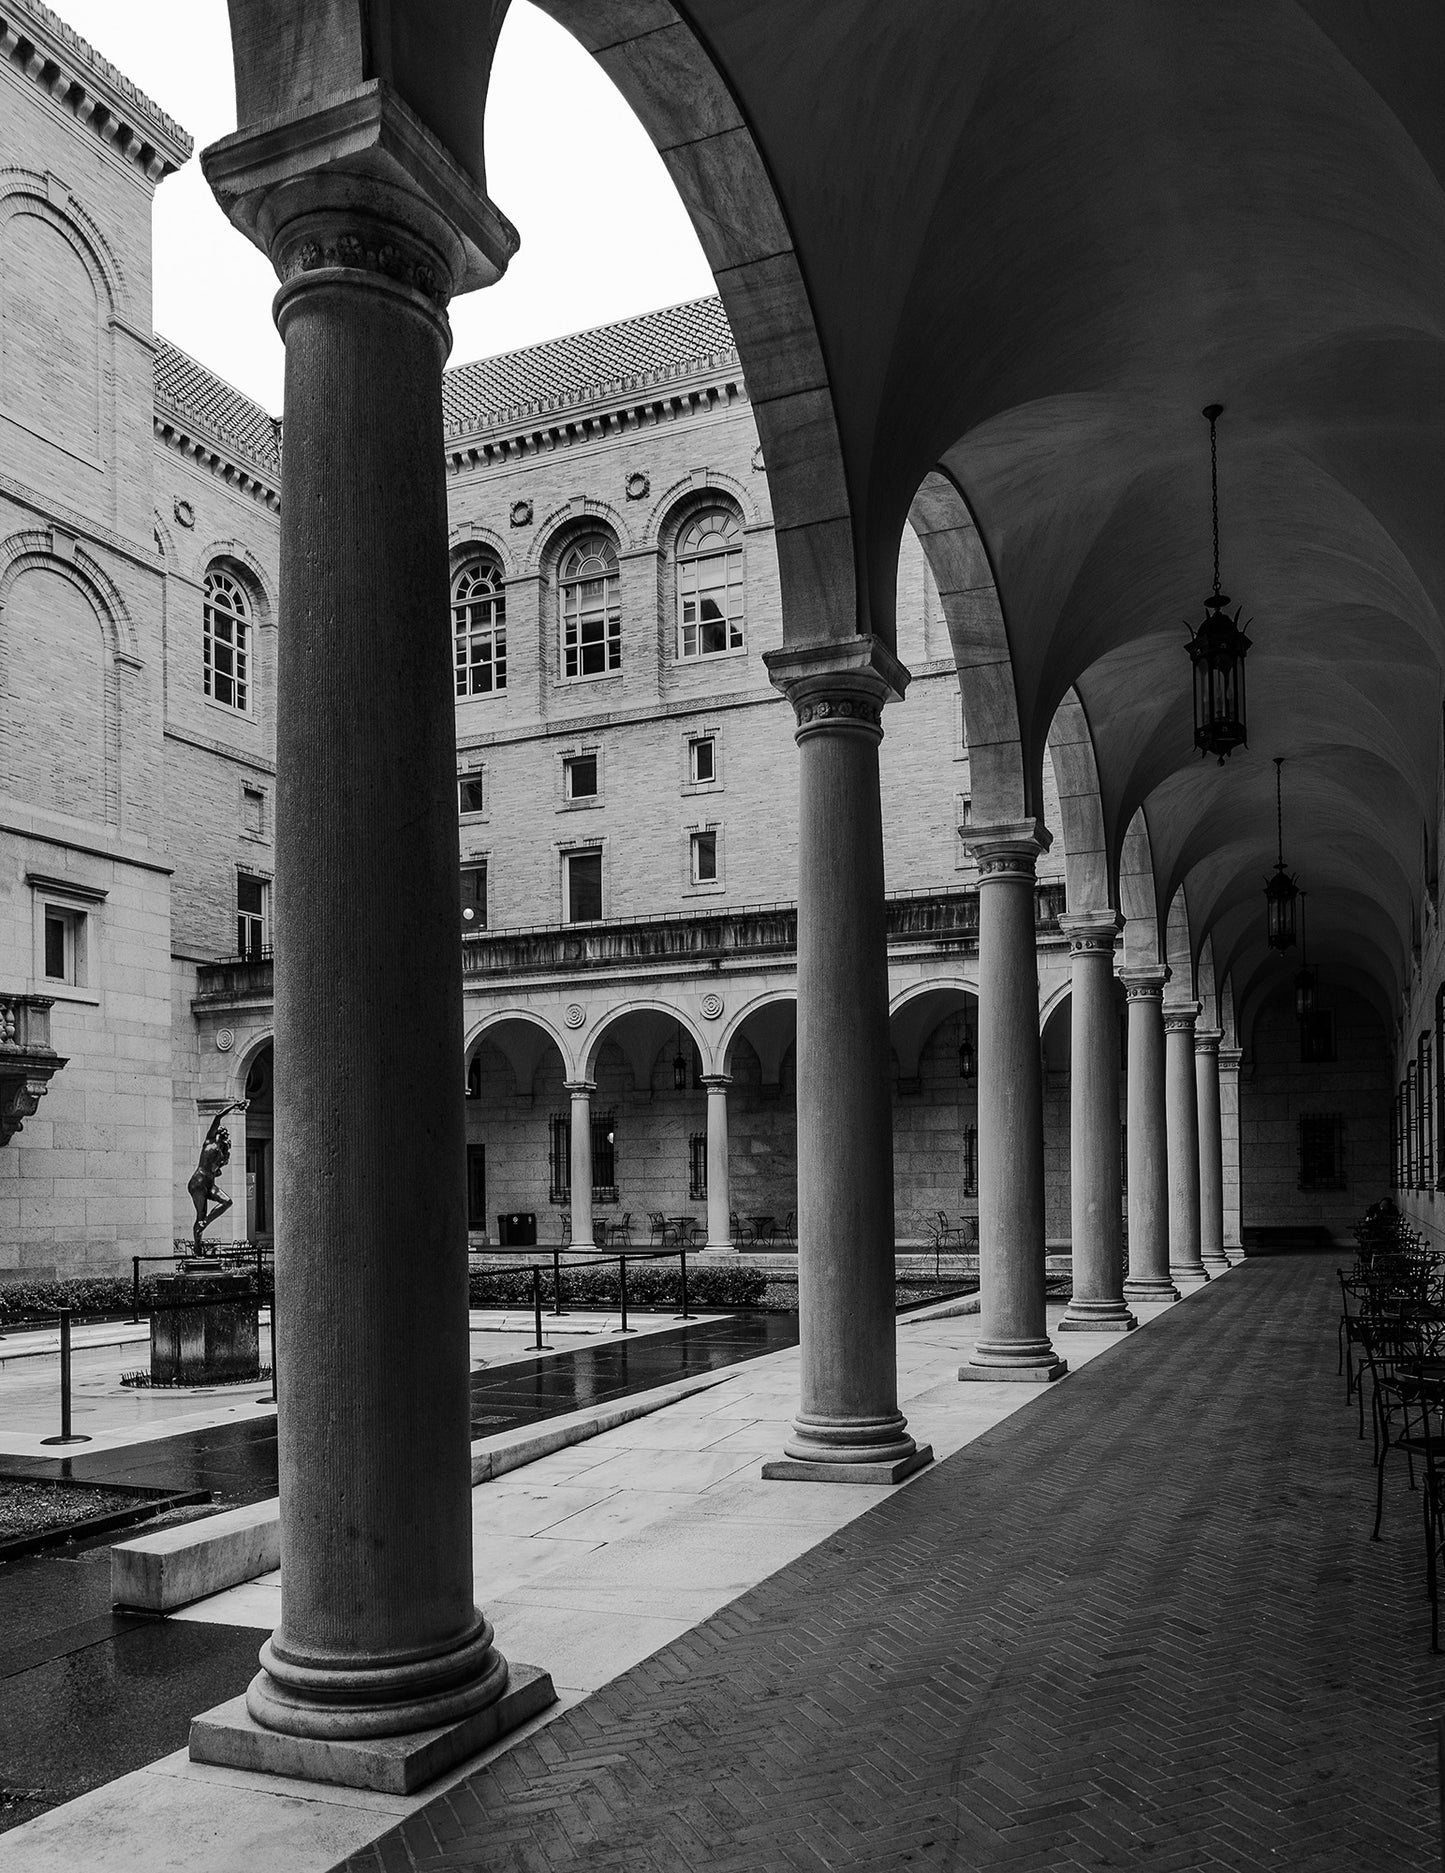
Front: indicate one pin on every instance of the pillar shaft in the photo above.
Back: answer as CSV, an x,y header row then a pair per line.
x,y
848,1425
1013,1339
1149,1277
379,1635
1211,1151
1181,1112
1229,1059
1095,1198
579,1170
719,1202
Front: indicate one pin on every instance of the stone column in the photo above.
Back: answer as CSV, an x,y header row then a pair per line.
x,y
1229,1059
848,1427
1149,1278
382,1671
719,1203
1098,1248
580,1168
1181,1117
1013,1340
1211,1151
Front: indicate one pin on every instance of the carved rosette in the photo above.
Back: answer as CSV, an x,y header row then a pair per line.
x,y
838,688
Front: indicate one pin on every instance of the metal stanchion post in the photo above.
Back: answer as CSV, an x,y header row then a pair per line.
x,y
66,1436
682,1257
135,1290
556,1281
622,1283
537,1307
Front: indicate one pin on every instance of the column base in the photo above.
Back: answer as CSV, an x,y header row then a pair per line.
x,y
1041,1370
719,1248
392,1765
1150,1288
809,1470
1216,1264
1097,1317
1195,1272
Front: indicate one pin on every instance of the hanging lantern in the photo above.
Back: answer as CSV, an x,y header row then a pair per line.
x,y
679,1067
1280,891
967,1060
1218,647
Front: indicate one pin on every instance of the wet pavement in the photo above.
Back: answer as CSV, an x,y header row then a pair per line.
x,y
87,1695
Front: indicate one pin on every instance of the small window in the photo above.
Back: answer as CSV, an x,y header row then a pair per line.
x,y
227,641
479,628
60,945
474,898
702,760
584,887
253,937
589,594
704,857
476,1187
253,812
471,795
710,602
580,771
696,1167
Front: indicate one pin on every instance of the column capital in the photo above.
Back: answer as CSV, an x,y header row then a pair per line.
x,y
838,687
1229,1059
1009,849
717,1082
579,1089
1091,932
359,185
1181,1016
1206,1040
1144,983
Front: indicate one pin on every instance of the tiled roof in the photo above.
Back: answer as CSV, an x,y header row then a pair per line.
x,y
189,390
655,345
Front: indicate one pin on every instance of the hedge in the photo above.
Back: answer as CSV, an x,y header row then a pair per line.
x,y
649,1285
87,1294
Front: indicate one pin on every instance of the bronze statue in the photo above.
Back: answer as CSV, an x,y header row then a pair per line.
x,y
204,1180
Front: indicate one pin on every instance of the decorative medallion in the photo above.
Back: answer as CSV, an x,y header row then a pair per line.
x,y
758,460
185,514
521,513
638,487
574,1014
225,1040
711,1006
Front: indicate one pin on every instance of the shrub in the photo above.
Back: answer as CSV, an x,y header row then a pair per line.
x,y
87,1294
650,1285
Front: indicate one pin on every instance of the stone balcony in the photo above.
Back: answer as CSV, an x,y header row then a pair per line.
x,y
916,920
28,1062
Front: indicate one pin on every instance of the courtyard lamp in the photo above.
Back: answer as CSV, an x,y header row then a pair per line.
x,y
967,1055
1218,646
1280,890
679,1065
1305,977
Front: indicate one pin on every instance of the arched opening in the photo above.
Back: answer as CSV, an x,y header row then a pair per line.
x,y
260,1096
763,1126
934,1032
515,1081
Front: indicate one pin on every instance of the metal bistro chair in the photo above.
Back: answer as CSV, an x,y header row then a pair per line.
x,y
621,1230
1392,1352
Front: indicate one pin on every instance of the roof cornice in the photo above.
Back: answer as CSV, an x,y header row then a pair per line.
x,y
179,430
40,46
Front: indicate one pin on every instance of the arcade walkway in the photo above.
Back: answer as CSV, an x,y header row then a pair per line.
x,y
1137,1625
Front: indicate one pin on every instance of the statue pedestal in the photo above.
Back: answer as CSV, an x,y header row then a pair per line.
x,y
204,1327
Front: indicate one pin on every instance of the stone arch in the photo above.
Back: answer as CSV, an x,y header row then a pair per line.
x,y
1138,898
47,729
1003,785
1179,949
523,1056
245,563
781,999
467,537
1087,870
563,523
636,1048
245,1059
917,1012
1206,987
690,492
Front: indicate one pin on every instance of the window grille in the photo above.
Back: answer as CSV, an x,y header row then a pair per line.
x,y
559,1153
1426,1065
696,1167
479,628
591,608
1439,1086
1412,1127
226,640
970,1160
604,1157
710,599
1321,1151
476,1186
1395,1144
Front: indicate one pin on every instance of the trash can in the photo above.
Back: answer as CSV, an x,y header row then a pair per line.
x,y
517,1231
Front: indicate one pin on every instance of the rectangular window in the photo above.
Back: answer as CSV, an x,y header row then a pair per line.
x,y
584,887
696,1167
704,857
1427,1113
702,760
970,1160
1321,1151
474,898
559,1133
604,1157
580,773
253,936
253,812
470,794
59,946
476,1186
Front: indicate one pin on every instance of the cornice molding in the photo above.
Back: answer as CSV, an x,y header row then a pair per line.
x,y
180,430
39,46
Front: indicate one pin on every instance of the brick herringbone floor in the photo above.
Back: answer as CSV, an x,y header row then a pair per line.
x,y
1138,1625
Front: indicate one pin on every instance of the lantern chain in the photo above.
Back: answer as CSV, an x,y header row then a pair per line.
x,y
1279,807
1214,493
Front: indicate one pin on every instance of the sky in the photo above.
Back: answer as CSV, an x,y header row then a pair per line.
x,y
603,232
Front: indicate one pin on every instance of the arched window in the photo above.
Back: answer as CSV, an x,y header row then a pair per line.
x,y
227,640
479,628
591,606
710,605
